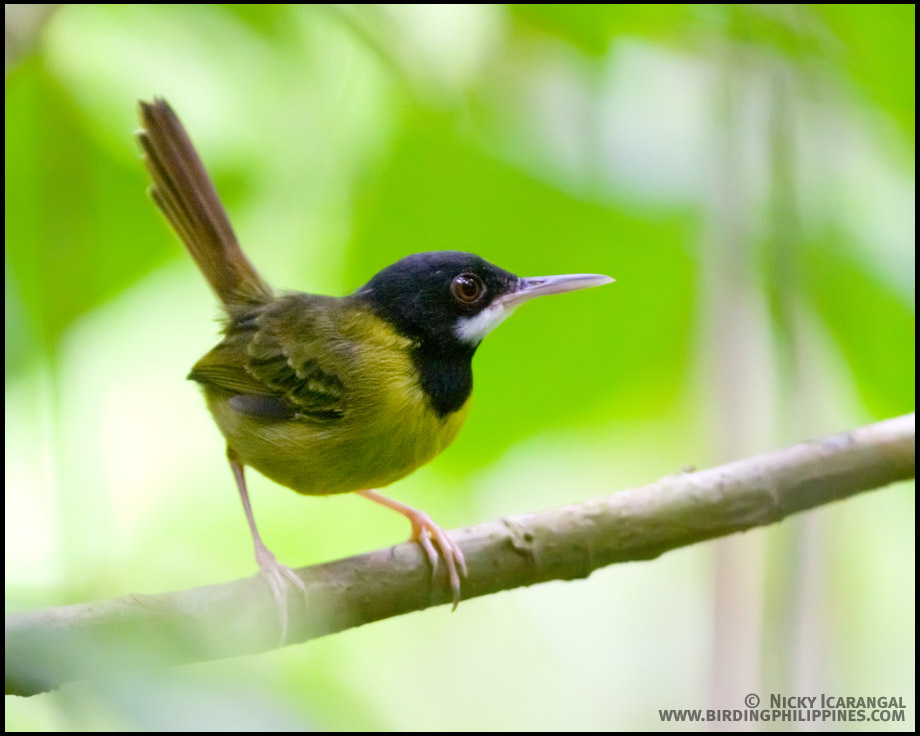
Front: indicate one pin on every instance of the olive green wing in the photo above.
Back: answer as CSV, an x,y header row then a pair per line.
x,y
287,361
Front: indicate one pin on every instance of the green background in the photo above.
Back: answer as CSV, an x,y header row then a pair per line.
x,y
746,173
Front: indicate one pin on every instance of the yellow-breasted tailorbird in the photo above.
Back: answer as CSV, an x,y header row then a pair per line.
x,y
327,394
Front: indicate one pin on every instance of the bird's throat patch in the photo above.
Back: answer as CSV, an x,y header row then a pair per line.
x,y
446,376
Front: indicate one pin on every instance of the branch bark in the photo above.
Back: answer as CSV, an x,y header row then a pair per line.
x,y
47,648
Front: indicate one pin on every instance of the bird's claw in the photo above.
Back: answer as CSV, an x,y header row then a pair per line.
x,y
424,530
280,579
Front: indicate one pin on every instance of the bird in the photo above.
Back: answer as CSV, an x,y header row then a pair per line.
x,y
323,394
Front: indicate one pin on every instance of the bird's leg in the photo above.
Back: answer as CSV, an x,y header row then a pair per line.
x,y
424,530
279,577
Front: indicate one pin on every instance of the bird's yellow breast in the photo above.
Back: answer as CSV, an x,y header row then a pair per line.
x,y
387,430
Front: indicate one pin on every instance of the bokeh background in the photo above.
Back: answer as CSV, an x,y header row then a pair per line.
x,y
746,172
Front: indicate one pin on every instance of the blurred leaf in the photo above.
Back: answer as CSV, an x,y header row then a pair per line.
x,y
79,226
274,22
592,27
870,322
870,45
877,51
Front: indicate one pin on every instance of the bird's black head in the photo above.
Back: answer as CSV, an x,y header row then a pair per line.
x,y
446,302
429,297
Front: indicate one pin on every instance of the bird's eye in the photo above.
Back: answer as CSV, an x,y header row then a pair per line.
x,y
467,288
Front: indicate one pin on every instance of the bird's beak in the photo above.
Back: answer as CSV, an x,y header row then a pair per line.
x,y
535,286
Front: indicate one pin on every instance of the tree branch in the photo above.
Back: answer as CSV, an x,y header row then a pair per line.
x,y
47,648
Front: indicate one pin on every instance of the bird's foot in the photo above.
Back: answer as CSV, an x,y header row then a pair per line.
x,y
429,534
281,579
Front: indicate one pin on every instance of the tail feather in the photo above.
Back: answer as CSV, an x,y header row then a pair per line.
x,y
185,194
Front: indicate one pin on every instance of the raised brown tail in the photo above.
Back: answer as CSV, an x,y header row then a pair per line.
x,y
185,193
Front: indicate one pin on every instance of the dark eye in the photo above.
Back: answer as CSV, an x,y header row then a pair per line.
x,y
467,288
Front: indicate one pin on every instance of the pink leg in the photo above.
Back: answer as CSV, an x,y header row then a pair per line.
x,y
279,577
423,531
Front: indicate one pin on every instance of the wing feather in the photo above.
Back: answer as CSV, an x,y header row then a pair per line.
x,y
290,350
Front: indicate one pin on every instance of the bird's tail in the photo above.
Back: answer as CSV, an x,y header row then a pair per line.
x,y
185,193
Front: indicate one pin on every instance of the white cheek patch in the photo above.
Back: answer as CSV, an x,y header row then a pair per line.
x,y
472,330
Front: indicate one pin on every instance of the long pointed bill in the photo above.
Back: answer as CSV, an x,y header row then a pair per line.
x,y
543,285
473,329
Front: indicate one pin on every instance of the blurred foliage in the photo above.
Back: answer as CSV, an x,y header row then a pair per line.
x,y
746,172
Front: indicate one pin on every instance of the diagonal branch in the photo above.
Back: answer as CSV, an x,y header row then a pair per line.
x,y
47,648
